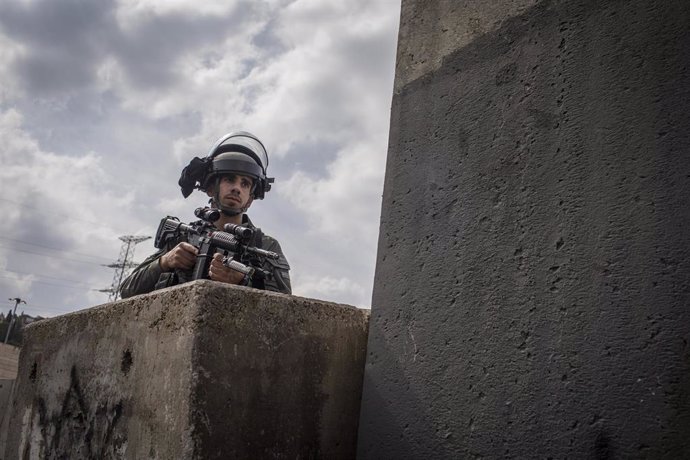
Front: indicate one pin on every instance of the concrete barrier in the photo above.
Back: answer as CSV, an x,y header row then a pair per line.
x,y
533,276
203,370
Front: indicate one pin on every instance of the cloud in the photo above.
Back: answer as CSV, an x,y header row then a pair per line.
x,y
326,287
105,103
10,52
132,10
60,213
61,41
346,199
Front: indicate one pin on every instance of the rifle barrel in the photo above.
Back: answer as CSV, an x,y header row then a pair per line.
x,y
264,253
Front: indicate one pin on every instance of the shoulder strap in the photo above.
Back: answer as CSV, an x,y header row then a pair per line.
x,y
258,238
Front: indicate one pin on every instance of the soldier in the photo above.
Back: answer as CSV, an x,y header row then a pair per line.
x,y
232,175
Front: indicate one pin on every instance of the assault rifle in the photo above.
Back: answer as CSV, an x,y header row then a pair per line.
x,y
234,242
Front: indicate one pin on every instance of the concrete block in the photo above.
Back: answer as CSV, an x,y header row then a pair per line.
x,y
430,30
533,277
203,370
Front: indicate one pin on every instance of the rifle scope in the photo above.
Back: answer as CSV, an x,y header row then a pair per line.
x,y
238,230
207,214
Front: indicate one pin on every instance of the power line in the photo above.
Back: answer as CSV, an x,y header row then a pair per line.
x,y
45,276
31,307
49,284
63,216
49,255
57,310
52,248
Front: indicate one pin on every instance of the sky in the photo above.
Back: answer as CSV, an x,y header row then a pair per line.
x,y
103,103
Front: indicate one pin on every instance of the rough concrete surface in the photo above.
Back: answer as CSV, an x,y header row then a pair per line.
x,y
532,285
198,371
440,27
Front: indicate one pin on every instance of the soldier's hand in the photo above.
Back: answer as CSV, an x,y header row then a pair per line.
x,y
219,272
181,256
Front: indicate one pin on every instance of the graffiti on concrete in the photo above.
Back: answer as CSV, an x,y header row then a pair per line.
x,y
79,429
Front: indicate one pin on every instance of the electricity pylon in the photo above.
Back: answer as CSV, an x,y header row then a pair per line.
x,y
124,262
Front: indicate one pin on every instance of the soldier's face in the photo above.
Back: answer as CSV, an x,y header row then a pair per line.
x,y
235,190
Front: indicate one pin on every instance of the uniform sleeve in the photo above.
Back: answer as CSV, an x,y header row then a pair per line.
x,y
280,281
144,278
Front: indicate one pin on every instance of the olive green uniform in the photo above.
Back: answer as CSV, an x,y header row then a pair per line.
x,y
149,276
